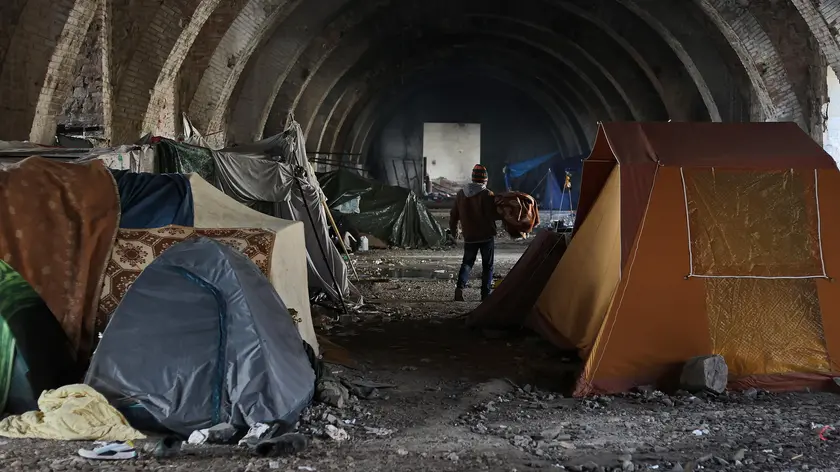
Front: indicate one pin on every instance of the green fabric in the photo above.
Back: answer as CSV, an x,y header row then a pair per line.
x,y
16,295
393,214
178,158
30,333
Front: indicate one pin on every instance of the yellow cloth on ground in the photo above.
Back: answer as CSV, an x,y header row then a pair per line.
x,y
71,413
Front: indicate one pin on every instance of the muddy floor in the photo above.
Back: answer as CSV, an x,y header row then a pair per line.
x,y
448,398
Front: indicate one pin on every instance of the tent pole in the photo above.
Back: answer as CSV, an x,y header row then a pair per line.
x,y
321,246
340,239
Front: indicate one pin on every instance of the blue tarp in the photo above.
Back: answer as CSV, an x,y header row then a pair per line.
x,y
554,198
519,169
154,200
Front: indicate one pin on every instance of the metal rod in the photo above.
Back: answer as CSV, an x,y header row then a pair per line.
x,y
320,245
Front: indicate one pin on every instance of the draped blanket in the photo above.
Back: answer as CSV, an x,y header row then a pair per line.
x,y
136,249
58,222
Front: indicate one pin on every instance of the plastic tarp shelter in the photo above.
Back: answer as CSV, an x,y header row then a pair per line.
x,y
214,209
202,338
35,354
392,214
276,189
695,239
153,200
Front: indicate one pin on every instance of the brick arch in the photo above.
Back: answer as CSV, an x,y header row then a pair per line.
x,y
376,82
308,113
322,135
58,79
161,115
292,91
254,102
257,20
645,104
30,54
281,33
361,105
541,89
397,92
759,57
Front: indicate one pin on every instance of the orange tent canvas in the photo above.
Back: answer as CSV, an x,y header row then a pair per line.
x,y
702,238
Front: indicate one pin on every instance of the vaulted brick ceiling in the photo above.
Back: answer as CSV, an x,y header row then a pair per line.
x,y
238,68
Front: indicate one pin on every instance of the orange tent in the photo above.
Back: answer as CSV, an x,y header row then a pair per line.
x,y
701,238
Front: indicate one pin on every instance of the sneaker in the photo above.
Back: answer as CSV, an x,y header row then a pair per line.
x,y
111,451
459,294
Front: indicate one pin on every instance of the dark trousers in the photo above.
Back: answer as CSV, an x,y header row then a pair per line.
x,y
471,251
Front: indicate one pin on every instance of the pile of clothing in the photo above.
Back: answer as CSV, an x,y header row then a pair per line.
x,y
519,213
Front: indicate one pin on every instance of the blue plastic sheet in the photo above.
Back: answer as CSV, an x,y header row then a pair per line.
x,y
154,200
519,169
554,198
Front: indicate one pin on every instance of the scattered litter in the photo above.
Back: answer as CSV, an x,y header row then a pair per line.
x,y
273,464
369,384
700,432
439,271
452,457
222,433
111,451
823,431
197,437
306,468
256,433
382,432
402,452
336,434
168,447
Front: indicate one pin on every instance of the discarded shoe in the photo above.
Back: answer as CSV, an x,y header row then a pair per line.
x,y
111,451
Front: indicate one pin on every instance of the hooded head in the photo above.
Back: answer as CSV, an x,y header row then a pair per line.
x,y
479,174
479,181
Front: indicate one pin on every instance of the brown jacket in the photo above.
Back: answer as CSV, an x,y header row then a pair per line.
x,y
477,215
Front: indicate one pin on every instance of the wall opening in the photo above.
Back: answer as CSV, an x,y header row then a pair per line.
x,y
451,150
831,110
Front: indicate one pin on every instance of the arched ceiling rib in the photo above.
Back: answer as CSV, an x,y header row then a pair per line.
x,y
238,66
578,120
377,71
415,15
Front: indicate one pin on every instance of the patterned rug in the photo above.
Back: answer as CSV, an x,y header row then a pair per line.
x,y
135,249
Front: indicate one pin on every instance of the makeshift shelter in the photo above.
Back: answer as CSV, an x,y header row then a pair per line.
x,y
701,238
392,214
230,349
35,354
510,304
274,188
58,222
153,200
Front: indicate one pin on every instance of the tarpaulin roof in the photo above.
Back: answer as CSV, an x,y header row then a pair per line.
x,y
154,200
393,214
731,145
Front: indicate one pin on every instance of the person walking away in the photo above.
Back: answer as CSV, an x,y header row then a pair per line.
x,y
475,209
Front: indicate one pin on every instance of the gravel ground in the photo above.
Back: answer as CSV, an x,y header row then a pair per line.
x,y
463,400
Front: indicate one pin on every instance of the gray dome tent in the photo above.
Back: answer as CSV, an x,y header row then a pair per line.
x,y
202,338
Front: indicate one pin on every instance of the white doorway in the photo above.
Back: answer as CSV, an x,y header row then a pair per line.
x,y
451,150
831,136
